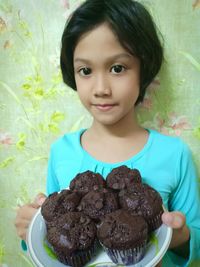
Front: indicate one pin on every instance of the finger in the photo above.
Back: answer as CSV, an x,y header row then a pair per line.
x,y
22,225
175,219
26,212
39,200
22,234
21,228
22,221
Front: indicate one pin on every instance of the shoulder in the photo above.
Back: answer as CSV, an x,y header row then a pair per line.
x,y
67,138
173,153
67,143
173,143
171,148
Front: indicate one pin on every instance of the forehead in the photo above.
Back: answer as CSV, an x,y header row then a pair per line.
x,y
101,41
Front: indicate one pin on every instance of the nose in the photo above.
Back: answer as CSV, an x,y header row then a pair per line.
x,y
102,86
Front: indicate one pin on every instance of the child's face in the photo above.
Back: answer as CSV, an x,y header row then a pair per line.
x,y
107,76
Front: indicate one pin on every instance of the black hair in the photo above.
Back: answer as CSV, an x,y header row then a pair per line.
x,y
130,22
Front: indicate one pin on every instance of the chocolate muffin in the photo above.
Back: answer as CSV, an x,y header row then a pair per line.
x,y
144,201
86,181
73,238
123,236
57,204
123,177
97,203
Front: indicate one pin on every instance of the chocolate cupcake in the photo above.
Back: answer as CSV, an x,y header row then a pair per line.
x,y
144,201
57,204
97,203
123,177
73,238
123,236
87,181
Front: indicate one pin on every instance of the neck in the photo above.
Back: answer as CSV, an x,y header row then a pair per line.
x,y
127,126
116,142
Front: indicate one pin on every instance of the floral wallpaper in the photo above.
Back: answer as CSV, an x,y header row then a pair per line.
x,y
36,107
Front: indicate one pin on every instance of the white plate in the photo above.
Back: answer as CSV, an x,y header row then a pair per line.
x,y
38,250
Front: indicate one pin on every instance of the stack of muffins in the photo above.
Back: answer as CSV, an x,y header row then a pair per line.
x,y
119,213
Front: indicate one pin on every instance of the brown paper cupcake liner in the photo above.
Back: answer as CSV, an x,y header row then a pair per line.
x,y
155,222
78,258
126,256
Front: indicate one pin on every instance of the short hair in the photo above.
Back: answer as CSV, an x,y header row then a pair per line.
x,y
130,22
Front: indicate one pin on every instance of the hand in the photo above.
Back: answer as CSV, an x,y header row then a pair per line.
x,y
159,264
25,214
177,221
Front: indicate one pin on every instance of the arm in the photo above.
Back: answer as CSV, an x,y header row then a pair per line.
x,y
25,214
184,205
52,184
181,233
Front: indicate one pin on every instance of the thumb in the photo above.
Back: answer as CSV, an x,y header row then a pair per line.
x,y
175,219
39,200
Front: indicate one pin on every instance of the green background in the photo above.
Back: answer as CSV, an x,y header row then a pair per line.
x,y
36,107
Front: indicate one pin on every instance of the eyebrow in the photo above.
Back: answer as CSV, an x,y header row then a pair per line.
x,y
112,58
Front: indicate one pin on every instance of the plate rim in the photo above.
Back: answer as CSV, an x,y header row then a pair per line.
x,y
30,247
163,249
152,263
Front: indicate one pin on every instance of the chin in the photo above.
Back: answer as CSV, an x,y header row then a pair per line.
x,y
108,122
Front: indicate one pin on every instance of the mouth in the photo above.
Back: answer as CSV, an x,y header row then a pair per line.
x,y
104,107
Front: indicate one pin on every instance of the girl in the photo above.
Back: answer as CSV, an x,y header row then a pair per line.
x,y
110,54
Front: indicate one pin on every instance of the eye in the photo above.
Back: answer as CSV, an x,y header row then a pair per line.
x,y
117,69
85,71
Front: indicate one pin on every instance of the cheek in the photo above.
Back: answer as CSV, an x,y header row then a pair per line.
x,y
81,95
79,85
82,91
128,89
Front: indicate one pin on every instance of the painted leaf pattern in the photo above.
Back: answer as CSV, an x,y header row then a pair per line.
x,y
36,107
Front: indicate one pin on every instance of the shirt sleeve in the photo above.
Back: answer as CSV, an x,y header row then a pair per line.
x,y
185,198
52,184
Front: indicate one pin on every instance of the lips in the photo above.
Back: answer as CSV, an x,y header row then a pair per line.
x,y
104,107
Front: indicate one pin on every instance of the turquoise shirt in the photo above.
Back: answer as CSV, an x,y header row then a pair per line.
x,y
165,163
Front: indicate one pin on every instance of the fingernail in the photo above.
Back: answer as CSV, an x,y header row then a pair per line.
x,y
178,220
40,200
168,219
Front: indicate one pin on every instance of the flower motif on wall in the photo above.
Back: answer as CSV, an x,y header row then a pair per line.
x,y
178,123
5,138
174,124
170,125
64,3
7,44
55,58
3,25
196,4
69,7
147,102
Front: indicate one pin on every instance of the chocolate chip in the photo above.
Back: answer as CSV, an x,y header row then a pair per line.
x,y
99,204
115,186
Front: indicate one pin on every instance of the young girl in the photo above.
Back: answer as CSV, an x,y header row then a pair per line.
x,y
110,54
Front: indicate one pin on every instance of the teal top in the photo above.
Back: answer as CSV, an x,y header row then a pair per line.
x,y
165,163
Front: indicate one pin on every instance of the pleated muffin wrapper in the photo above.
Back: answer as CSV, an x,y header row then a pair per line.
x,y
126,256
154,222
77,258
